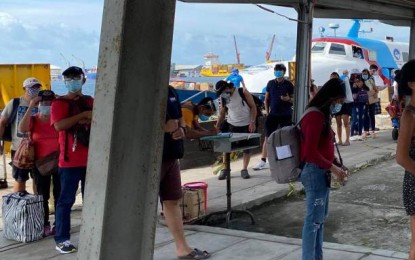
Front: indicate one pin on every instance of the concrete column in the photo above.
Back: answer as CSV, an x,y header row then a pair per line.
x,y
303,66
119,213
412,41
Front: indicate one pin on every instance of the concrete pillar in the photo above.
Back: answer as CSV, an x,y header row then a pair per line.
x,y
303,66
119,213
412,40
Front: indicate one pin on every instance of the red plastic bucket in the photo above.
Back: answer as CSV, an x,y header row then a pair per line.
x,y
199,185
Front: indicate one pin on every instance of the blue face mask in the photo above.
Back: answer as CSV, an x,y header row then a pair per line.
x,y
336,108
203,118
44,110
365,77
73,86
225,96
279,74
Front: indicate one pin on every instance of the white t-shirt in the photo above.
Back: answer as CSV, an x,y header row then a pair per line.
x,y
238,114
21,110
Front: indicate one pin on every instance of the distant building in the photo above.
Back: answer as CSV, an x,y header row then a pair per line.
x,y
186,70
55,72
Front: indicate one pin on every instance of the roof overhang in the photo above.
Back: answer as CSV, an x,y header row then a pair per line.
x,y
394,12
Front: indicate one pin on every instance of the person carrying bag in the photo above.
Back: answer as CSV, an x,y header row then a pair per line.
x,y
45,149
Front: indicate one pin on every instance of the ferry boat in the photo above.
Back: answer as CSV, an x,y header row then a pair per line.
x,y
213,68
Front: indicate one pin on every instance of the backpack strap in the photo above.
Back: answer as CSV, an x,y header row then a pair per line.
x,y
12,117
241,93
308,110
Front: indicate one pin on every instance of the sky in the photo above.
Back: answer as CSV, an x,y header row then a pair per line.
x,y
68,31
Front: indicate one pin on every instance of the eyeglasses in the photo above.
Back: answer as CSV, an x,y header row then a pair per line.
x,y
69,78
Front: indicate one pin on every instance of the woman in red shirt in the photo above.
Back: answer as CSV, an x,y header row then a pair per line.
x,y
317,151
45,139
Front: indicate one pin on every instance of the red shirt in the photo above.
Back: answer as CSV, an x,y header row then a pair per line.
x,y
316,148
79,157
44,136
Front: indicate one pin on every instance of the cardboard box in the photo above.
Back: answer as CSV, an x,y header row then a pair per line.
x,y
192,204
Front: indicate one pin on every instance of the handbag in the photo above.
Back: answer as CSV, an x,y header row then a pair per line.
x,y
48,164
24,158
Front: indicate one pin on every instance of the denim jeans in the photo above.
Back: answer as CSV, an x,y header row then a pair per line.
x,y
370,117
69,178
354,124
360,112
317,203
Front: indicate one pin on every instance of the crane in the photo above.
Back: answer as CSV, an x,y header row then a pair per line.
x,y
68,64
236,50
269,51
80,61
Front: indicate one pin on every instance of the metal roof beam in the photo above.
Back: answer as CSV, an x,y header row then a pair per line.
x,y
270,2
349,14
375,8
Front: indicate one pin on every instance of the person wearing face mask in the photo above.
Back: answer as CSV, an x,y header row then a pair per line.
x,y
361,98
45,140
193,112
236,79
317,151
344,113
71,116
369,113
32,87
241,117
278,107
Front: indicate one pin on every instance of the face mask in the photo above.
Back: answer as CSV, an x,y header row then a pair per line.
x,y
32,92
336,108
44,110
365,77
225,96
73,86
279,74
203,118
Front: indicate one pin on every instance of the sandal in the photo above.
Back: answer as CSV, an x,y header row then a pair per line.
x,y
346,144
195,254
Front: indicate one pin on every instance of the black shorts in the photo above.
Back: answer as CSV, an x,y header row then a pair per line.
x,y
346,109
273,122
20,175
240,129
170,181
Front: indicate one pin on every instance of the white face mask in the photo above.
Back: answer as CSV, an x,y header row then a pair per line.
x,y
44,110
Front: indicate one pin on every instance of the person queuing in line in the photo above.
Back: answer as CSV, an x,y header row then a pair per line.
x,y
71,116
405,150
361,98
170,183
278,107
241,117
395,95
369,113
345,112
193,112
45,140
317,151
236,79
334,75
32,87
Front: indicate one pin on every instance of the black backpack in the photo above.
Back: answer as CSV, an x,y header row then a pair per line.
x,y
258,102
7,134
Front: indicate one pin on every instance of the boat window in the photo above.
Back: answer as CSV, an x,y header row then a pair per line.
x,y
337,49
405,56
357,52
318,47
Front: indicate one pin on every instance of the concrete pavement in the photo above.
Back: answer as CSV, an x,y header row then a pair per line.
x,y
232,244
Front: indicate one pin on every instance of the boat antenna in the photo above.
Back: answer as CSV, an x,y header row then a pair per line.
x,y
269,51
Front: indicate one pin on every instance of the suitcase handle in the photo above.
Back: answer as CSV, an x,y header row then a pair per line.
x,y
21,194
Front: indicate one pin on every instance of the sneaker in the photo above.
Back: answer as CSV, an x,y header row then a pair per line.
x,y
65,247
353,138
222,175
261,165
245,174
359,138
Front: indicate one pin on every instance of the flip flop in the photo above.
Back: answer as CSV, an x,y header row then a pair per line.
x,y
195,254
346,144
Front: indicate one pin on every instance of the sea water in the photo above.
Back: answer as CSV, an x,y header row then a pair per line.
x,y
58,86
